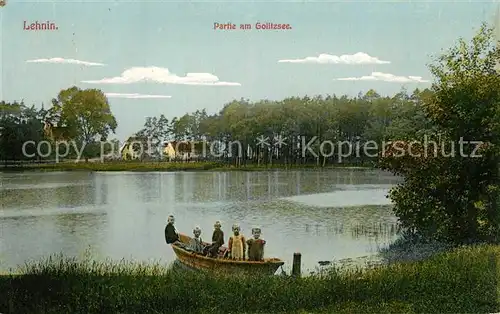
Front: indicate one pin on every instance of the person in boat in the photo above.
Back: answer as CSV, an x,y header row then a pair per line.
x,y
196,244
256,246
237,244
217,240
171,234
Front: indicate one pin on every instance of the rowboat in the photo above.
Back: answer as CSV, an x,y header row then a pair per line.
x,y
221,265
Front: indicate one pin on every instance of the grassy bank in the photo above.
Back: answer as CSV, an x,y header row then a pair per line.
x,y
161,166
461,281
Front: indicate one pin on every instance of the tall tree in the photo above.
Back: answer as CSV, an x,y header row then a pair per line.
x,y
86,113
156,130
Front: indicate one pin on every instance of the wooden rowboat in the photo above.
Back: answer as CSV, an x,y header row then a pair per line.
x,y
222,265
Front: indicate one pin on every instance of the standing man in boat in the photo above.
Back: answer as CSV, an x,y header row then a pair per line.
x,y
256,246
217,240
171,234
237,244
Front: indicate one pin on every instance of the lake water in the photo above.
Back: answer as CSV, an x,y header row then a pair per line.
x,y
325,215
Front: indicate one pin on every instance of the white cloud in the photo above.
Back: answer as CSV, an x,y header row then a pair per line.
x,y
162,75
65,61
135,96
357,58
386,77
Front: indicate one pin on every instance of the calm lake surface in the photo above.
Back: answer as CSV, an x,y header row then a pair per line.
x,y
325,215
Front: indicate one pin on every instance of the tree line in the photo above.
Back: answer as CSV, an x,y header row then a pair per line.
x,y
291,131
297,121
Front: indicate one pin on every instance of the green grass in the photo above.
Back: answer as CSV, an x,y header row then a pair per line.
x,y
464,280
160,166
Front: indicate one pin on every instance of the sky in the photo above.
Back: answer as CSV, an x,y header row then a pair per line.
x,y
164,57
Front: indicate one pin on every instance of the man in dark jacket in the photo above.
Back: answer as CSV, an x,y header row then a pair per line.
x,y
171,234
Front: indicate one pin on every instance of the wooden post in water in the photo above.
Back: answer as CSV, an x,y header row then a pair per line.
x,y
297,260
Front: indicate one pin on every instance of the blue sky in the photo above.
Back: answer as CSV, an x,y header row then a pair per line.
x,y
179,36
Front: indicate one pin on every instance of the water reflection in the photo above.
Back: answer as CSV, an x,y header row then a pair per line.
x,y
192,187
33,237
101,191
79,231
29,191
323,214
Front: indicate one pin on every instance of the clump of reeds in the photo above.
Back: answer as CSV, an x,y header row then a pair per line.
x,y
409,247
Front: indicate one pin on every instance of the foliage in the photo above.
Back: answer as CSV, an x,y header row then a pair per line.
x,y
297,120
86,113
19,124
354,120
451,194
461,281
156,130
76,116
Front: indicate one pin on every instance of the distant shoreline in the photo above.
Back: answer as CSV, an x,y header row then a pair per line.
x,y
168,167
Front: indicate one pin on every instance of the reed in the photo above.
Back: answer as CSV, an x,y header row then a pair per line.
x,y
463,280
